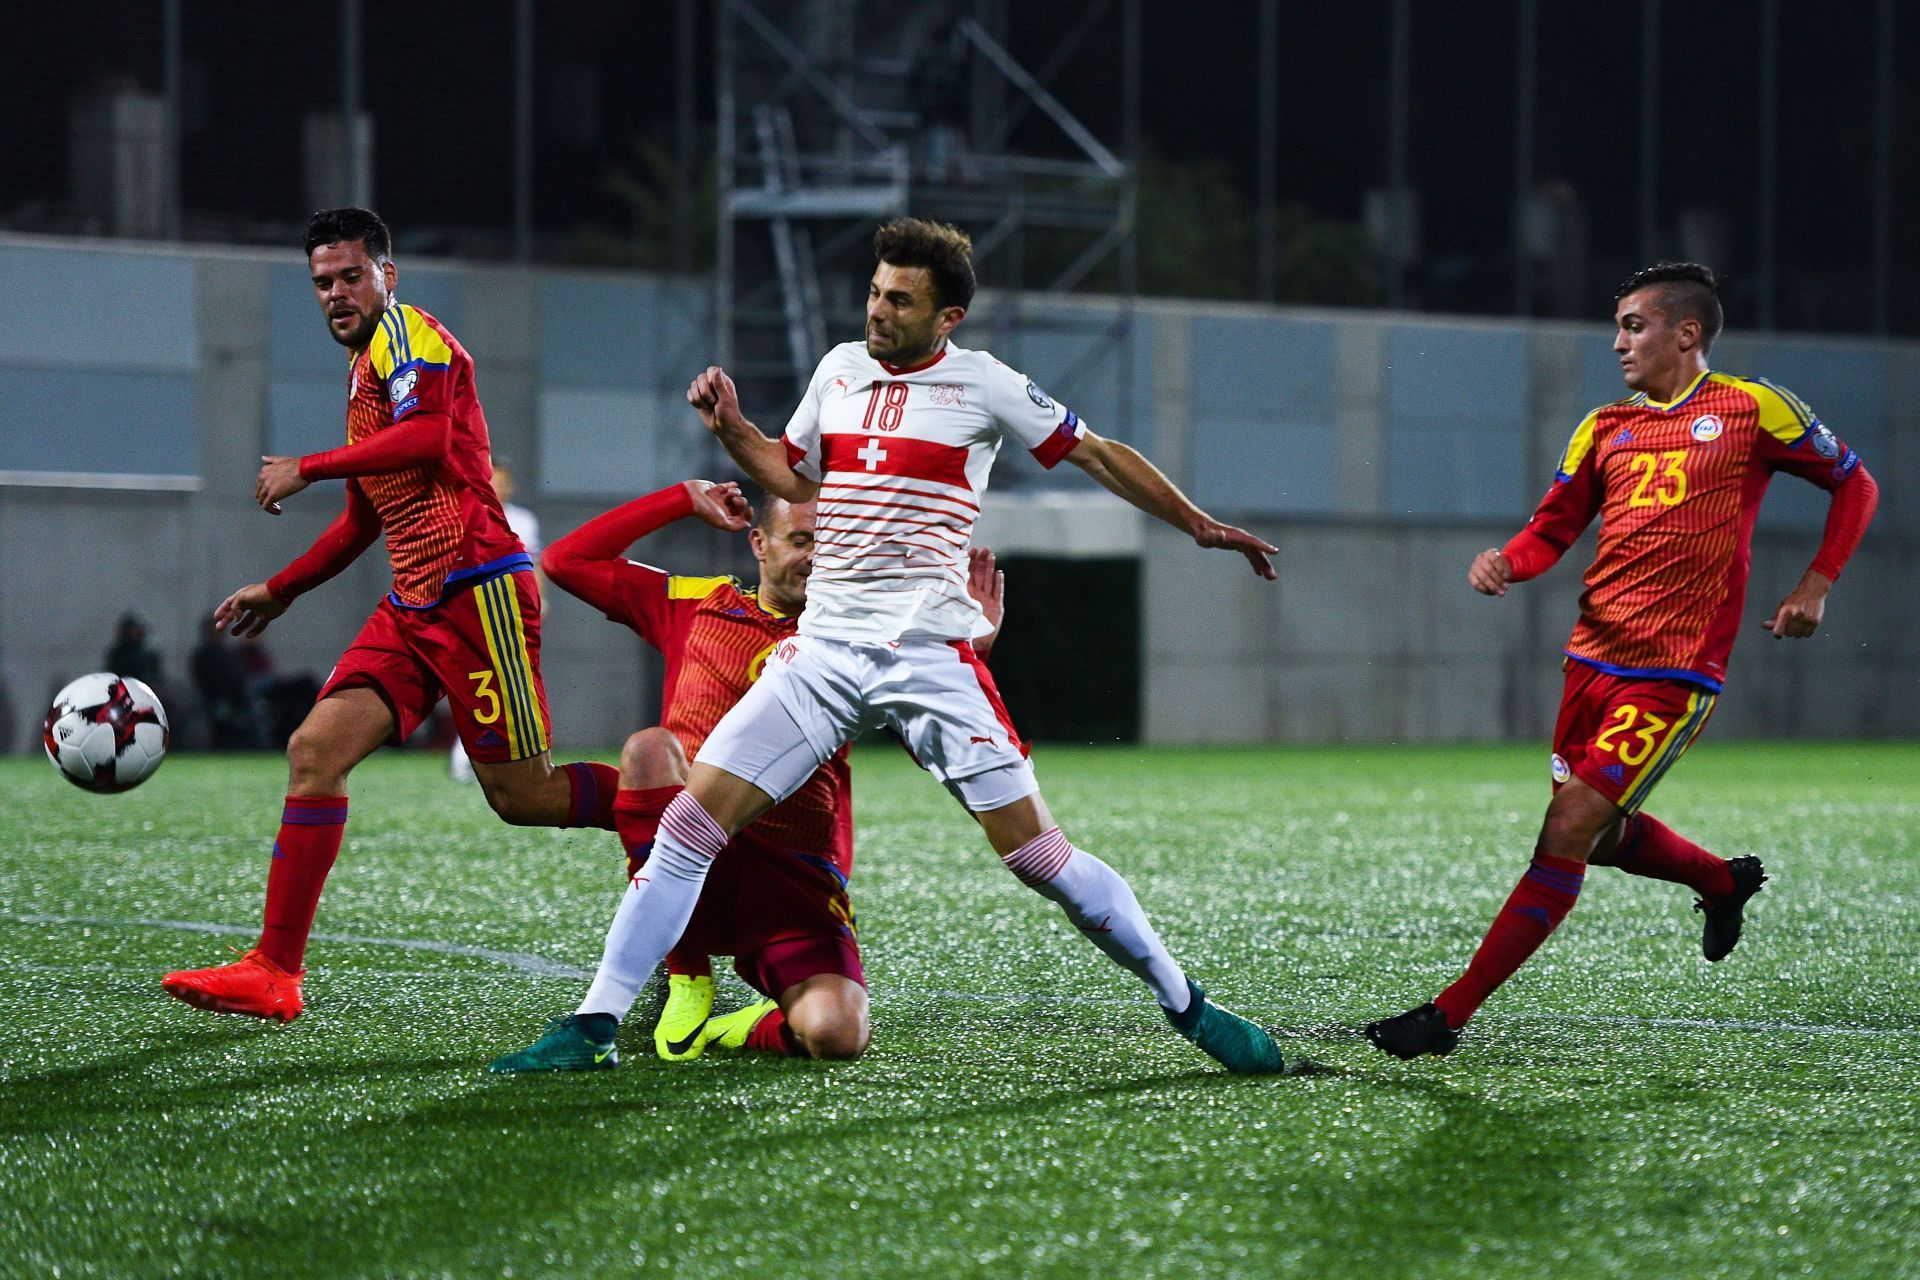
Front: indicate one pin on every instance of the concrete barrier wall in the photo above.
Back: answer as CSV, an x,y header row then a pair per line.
x,y
139,386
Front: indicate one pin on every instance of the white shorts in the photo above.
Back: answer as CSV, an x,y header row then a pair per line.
x,y
817,695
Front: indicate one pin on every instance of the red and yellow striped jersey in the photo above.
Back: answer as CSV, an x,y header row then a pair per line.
x,y
1677,487
716,638
444,525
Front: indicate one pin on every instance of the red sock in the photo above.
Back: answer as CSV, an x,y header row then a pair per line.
x,y
1651,848
1539,903
690,964
636,816
309,841
591,788
772,1035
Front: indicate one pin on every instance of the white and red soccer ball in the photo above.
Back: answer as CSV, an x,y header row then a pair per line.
x,y
106,732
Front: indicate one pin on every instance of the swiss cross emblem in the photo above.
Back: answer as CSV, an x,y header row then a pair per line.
x,y
872,454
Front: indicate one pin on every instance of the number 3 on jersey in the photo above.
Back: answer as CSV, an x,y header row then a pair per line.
x,y
1670,490
483,689
1651,727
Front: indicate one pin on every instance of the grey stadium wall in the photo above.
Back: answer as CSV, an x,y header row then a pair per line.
x,y
140,385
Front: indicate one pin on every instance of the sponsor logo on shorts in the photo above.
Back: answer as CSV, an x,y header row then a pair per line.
x,y
1614,772
977,738
1708,427
1560,771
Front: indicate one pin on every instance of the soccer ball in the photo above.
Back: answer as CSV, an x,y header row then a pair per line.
x,y
106,733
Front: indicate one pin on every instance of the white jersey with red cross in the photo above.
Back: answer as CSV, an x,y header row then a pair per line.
x,y
902,456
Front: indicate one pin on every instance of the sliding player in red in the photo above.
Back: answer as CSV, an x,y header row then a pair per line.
x,y
776,899
1676,473
462,620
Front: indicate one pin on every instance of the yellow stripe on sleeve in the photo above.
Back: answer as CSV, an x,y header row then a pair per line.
x,y
1783,415
679,588
421,340
383,352
1578,447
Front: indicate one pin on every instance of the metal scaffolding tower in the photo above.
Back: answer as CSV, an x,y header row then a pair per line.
x,y
835,115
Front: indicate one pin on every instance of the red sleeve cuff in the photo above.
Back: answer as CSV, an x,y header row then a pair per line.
x,y
1064,440
795,454
1529,555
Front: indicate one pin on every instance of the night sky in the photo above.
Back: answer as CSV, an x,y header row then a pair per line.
x,y
442,97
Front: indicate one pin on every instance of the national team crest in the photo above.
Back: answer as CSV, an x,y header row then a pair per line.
x,y
1708,427
949,393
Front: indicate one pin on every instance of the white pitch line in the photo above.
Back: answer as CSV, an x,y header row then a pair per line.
x,y
541,967
525,961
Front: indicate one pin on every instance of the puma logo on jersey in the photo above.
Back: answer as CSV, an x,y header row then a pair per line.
x,y
977,738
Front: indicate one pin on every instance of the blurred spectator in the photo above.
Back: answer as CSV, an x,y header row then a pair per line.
x,y
226,692
131,655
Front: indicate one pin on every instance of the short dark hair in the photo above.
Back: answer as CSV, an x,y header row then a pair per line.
x,y
333,226
1686,289
943,249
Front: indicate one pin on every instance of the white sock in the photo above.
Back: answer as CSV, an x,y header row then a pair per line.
x,y
1103,907
657,905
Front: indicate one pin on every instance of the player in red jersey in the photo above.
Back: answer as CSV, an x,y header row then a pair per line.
x,y
1676,473
462,621
776,899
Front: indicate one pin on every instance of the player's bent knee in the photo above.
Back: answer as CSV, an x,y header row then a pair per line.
x,y
839,1039
316,759
1576,822
830,1020
653,758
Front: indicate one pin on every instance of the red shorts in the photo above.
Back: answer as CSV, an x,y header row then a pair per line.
x,y
479,648
783,916
1620,734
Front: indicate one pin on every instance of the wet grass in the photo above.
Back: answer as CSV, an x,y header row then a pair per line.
x,y
1620,1109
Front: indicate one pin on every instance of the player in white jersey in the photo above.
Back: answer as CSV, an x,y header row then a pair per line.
x,y
895,438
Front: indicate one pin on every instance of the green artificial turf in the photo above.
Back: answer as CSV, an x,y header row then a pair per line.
x,y
1620,1109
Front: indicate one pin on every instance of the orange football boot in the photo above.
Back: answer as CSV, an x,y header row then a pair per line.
x,y
253,985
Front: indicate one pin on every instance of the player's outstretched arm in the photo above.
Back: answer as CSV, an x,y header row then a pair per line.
x,y
416,441
338,546
764,460
588,562
1126,472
